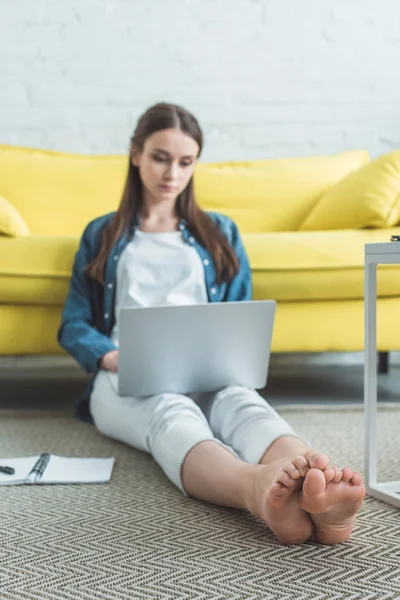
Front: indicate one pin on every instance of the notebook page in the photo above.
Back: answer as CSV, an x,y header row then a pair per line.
x,y
62,469
22,468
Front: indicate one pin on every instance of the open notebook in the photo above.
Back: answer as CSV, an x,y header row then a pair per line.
x,y
48,468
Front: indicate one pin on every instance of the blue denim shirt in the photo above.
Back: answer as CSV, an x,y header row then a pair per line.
x,y
88,315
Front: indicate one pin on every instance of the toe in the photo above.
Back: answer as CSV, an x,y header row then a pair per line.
x,y
316,460
329,474
314,483
338,475
301,464
292,470
347,474
356,479
285,479
278,489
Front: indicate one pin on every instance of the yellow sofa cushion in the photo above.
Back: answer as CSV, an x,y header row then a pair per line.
x,y
273,194
11,222
313,265
368,197
287,267
36,269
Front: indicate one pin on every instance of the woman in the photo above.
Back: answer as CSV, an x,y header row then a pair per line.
x,y
229,448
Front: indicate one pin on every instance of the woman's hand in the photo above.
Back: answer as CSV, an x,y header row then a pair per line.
x,y
109,361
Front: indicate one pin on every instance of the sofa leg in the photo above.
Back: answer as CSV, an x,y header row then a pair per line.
x,y
383,362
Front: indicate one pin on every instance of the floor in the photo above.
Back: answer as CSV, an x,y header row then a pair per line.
x,y
55,382
83,542
139,537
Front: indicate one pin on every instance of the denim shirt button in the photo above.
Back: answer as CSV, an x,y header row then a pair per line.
x,y
191,240
116,257
206,262
106,315
213,290
110,286
181,227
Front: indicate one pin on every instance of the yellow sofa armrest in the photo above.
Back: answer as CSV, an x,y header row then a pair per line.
x,y
368,197
11,222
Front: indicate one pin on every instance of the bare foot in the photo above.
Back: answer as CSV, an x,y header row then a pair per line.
x,y
332,499
275,496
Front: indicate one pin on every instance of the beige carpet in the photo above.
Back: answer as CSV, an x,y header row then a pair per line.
x,y
137,537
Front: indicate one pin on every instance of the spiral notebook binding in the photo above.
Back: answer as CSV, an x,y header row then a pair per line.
x,y
39,467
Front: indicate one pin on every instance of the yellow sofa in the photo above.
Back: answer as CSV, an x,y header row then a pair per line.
x,y
304,222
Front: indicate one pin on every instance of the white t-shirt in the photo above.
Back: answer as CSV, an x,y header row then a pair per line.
x,y
158,269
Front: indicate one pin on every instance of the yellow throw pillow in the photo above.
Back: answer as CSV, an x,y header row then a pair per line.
x,y
368,197
272,194
11,222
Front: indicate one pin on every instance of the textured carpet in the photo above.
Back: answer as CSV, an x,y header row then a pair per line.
x,y
137,537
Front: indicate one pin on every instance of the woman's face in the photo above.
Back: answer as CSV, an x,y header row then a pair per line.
x,y
166,163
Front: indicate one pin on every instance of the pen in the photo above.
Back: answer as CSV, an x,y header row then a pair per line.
x,y
7,470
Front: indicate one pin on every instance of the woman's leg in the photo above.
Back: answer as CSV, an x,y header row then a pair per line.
x,y
175,431
167,426
251,425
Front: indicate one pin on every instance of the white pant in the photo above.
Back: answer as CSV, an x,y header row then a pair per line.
x,y
169,425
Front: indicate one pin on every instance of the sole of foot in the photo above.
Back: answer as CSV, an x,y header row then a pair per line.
x,y
332,498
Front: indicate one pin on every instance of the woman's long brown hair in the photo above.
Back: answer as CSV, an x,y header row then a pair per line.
x,y
159,117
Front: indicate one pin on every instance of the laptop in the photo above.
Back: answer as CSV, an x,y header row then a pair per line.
x,y
196,348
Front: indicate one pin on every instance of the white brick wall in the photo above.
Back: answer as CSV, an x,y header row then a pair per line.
x,y
264,77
